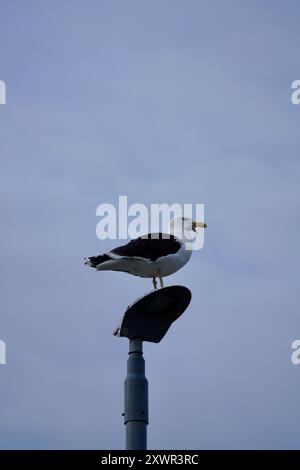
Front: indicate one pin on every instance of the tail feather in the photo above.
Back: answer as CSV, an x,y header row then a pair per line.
x,y
94,261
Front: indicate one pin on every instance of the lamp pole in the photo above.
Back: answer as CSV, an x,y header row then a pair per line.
x,y
136,398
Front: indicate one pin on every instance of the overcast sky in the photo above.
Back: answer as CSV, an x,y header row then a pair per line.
x,y
162,101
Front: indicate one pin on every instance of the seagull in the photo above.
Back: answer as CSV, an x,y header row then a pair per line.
x,y
155,255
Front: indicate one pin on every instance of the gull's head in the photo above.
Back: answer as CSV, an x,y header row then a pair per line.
x,y
181,226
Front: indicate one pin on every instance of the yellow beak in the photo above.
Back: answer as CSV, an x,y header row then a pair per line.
x,y
199,224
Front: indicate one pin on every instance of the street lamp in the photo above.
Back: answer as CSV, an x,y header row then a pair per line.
x,y
147,319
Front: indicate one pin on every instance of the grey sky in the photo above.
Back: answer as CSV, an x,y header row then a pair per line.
x,y
164,101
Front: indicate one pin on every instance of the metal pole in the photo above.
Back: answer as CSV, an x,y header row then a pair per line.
x,y
136,398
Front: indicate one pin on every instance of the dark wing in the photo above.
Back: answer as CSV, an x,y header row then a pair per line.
x,y
148,247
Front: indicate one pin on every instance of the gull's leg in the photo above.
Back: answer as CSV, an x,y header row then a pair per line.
x,y
161,281
154,282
